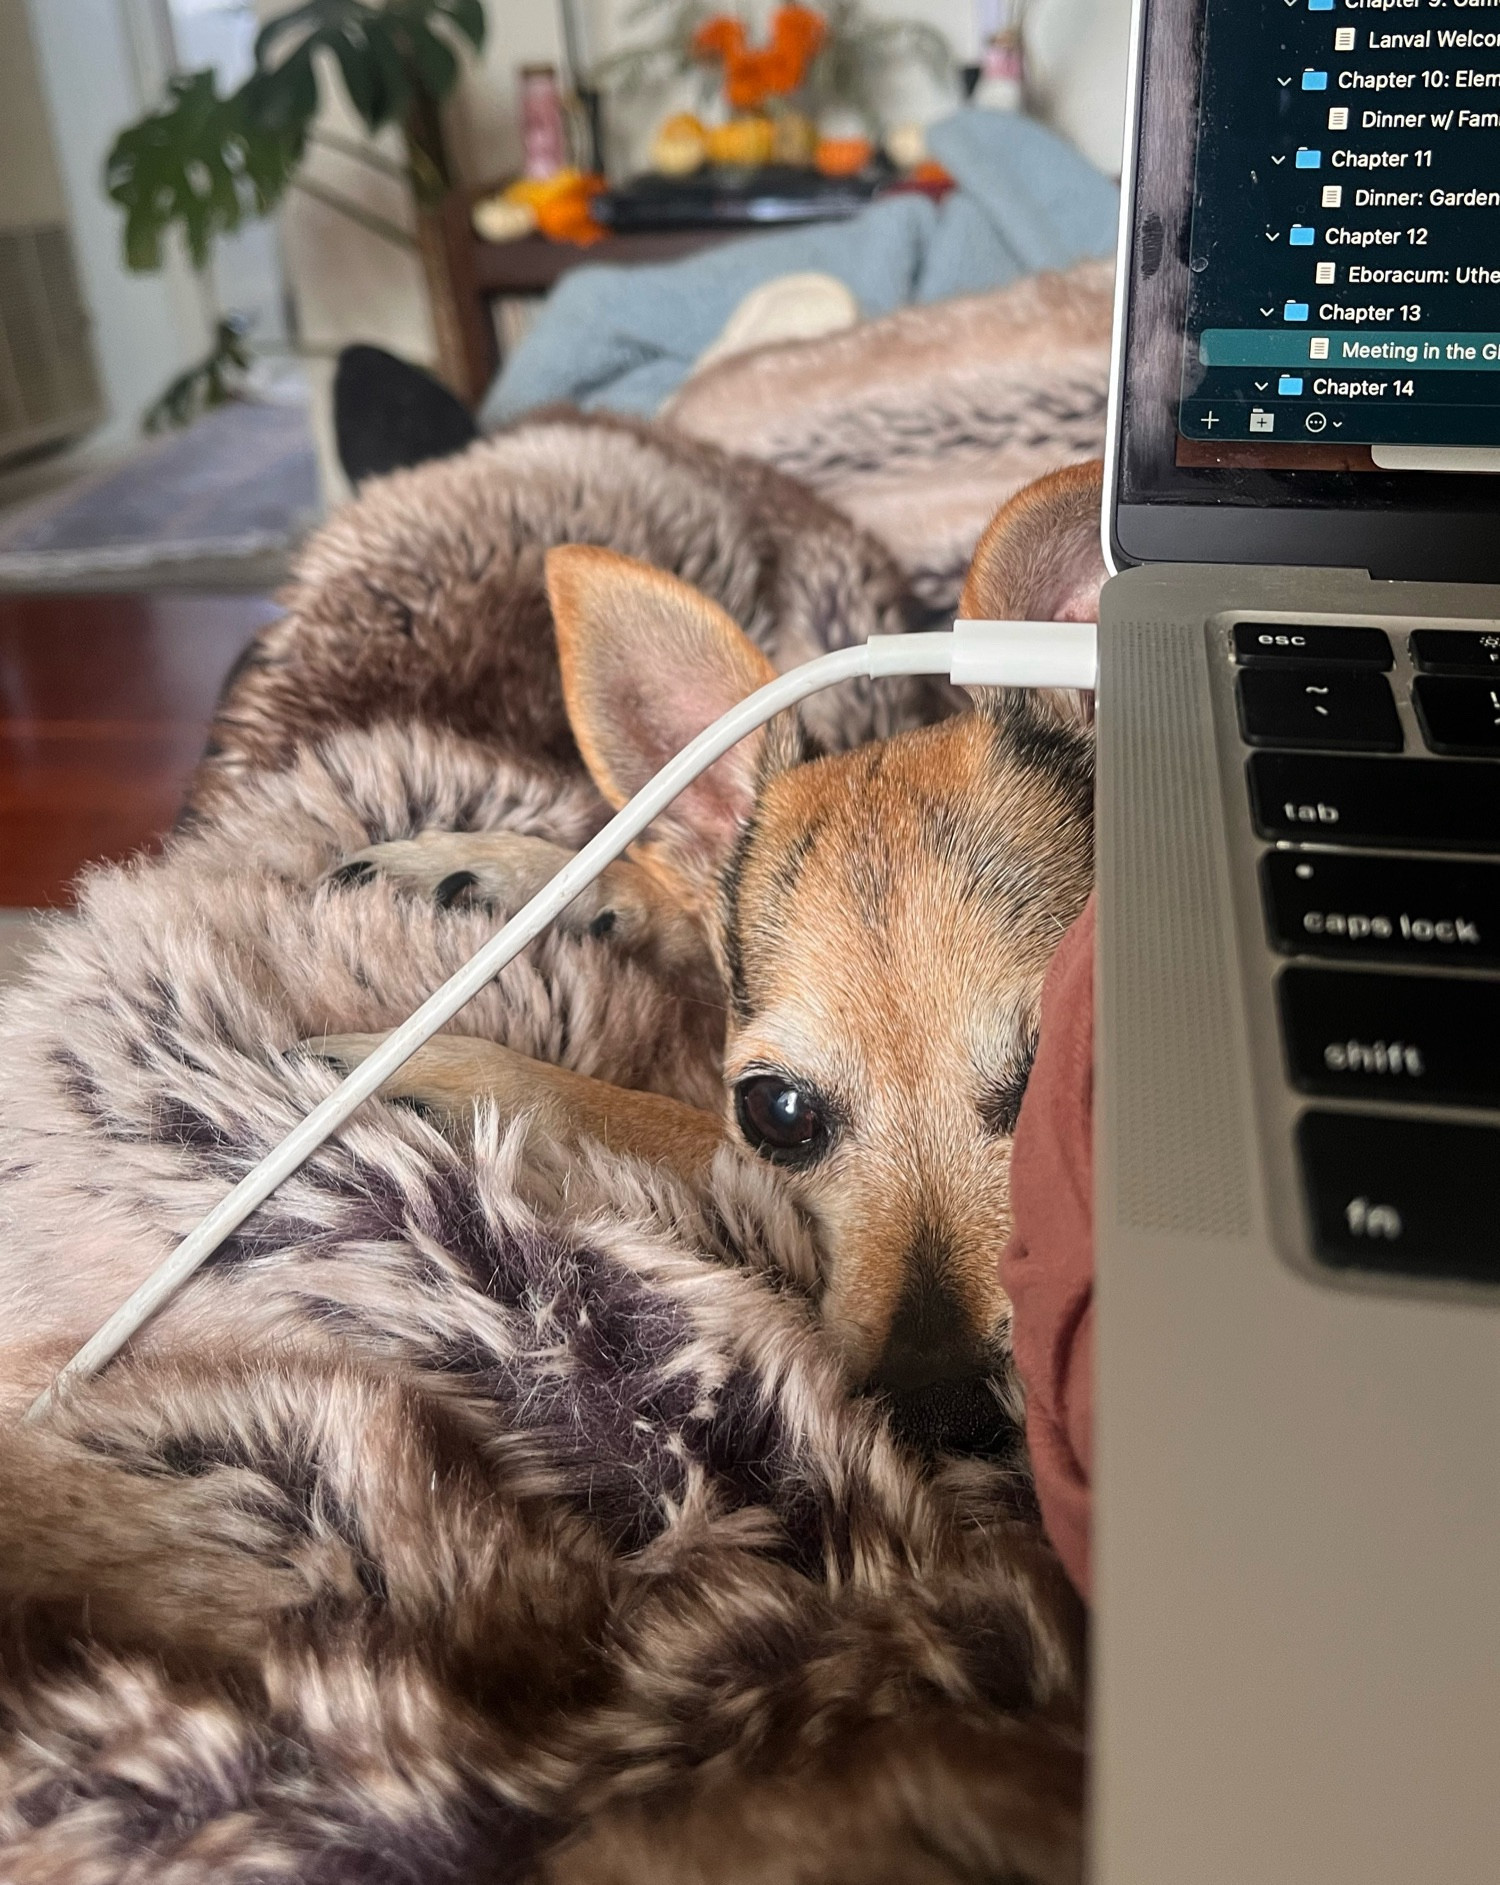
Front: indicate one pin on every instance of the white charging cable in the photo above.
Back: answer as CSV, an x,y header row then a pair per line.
x,y
974,654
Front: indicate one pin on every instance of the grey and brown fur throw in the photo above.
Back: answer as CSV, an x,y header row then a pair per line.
x,y
919,425
485,1511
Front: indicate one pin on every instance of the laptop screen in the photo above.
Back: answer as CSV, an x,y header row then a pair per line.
x,y
1313,312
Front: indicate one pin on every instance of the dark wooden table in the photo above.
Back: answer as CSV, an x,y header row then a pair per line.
x,y
104,702
531,264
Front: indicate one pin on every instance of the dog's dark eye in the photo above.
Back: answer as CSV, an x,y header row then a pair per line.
x,y
781,1120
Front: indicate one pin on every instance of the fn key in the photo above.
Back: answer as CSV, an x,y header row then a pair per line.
x,y
1406,1197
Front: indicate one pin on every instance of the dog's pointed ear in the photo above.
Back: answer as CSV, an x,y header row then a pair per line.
x,y
1042,560
648,662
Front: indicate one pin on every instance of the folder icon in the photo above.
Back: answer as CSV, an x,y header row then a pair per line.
x,y
1303,235
1308,159
1314,81
1289,386
1320,6
1295,311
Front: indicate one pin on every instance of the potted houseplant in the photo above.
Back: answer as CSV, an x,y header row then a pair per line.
x,y
202,164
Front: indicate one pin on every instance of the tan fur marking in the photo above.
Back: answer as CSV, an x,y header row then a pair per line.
x,y
622,625
647,663
1042,560
1041,550
455,1072
898,976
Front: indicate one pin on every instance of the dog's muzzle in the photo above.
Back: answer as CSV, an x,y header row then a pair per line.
x,y
965,1416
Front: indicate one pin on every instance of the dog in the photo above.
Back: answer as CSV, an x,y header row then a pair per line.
x,y
495,1506
881,921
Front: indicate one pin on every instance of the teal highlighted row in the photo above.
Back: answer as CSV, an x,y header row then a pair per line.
x,y
1429,353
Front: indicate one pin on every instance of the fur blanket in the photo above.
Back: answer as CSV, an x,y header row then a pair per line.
x,y
921,424
480,1513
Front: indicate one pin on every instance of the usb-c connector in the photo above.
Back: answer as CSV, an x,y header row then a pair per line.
x,y
1025,654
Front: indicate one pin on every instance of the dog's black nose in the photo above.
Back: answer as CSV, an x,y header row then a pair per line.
x,y
964,1416
935,1379
931,1338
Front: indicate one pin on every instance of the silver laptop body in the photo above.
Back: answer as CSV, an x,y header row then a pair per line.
x,y
1297,1518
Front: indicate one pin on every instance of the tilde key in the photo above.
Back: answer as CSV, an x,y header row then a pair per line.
x,y
1351,708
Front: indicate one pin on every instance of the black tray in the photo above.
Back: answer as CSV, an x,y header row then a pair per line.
x,y
749,197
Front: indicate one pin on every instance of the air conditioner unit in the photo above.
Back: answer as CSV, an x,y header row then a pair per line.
x,y
49,387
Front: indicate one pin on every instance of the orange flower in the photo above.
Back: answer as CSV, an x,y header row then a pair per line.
x,y
751,75
782,71
800,31
722,37
745,81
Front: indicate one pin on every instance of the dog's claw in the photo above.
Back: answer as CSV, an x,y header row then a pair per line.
x,y
359,871
454,888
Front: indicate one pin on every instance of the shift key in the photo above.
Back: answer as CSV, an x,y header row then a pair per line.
x,y
1427,804
1426,911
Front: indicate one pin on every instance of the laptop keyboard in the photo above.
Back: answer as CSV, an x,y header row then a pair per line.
x,y
1389,1003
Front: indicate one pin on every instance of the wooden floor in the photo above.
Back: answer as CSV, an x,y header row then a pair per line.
x,y
104,701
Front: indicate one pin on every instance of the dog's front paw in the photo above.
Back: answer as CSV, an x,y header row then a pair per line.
x,y
502,870
497,869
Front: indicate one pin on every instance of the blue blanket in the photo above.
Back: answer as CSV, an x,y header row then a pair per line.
x,y
624,339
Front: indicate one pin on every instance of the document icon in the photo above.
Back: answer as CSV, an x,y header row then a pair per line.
x,y
1295,311
1303,236
1318,349
1328,273
1289,386
1309,160
1345,39
1338,118
1333,196
1314,81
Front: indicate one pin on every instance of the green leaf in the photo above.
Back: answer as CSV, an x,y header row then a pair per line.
x,y
309,17
204,163
363,79
385,50
280,104
468,17
434,63
209,382
179,165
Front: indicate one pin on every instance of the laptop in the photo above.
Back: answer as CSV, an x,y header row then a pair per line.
x,y
1297,1550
